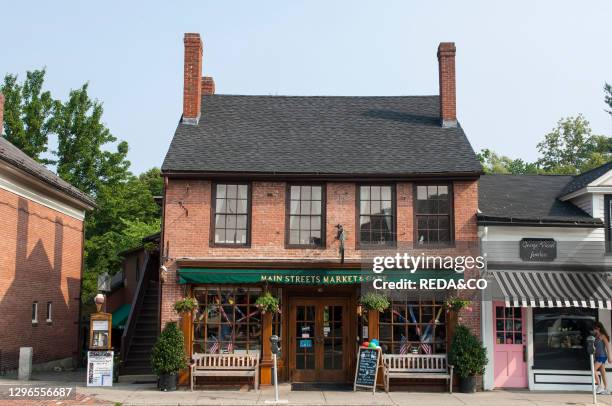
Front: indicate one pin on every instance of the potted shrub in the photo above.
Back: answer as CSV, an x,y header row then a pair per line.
x,y
469,358
268,303
168,357
374,301
185,305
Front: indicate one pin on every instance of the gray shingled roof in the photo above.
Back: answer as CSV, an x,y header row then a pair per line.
x,y
527,198
320,135
585,178
14,156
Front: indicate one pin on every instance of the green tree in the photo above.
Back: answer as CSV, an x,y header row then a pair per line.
x,y
28,113
495,163
103,251
569,147
82,137
152,178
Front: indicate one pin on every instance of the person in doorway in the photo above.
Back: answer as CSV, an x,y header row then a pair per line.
x,y
602,355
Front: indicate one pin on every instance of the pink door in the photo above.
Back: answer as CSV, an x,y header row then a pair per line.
x,y
510,366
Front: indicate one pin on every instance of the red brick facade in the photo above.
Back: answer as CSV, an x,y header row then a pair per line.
x,y
41,261
187,228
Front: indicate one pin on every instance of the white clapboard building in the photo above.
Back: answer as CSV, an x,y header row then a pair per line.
x,y
547,240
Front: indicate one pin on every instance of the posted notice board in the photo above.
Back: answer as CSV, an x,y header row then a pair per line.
x,y
366,373
100,368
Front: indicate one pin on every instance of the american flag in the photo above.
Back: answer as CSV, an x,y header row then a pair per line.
x,y
404,346
214,348
426,348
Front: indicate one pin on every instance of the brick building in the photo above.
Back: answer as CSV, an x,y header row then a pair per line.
x,y
255,188
41,218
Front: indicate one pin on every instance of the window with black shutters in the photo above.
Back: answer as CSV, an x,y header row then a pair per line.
x,y
306,222
376,215
231,214
433,214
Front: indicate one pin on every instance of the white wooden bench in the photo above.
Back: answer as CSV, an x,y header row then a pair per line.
x,y
225,365
421,366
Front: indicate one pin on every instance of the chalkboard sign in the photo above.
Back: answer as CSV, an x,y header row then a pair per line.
x,y
368,360
538,249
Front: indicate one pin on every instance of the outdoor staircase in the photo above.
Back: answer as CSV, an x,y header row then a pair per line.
x,y
142,327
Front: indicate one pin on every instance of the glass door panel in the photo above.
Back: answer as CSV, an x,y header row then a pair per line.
x,y
305,320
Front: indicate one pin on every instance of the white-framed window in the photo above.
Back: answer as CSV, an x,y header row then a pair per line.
x,y
49,308
34,312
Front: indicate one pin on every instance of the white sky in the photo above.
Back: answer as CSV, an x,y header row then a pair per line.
x,y
521,65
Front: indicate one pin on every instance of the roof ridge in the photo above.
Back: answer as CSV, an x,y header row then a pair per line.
x,y
320,96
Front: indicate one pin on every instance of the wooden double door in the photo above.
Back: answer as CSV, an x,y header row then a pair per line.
x,y
318,339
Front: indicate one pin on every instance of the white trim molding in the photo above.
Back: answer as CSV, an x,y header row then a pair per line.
x,y
8,183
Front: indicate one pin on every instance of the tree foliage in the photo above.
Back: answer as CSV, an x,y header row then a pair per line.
x,y
570,148
495,163
28,113
90,158
81,138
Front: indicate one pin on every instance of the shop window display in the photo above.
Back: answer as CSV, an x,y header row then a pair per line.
x,y
413,327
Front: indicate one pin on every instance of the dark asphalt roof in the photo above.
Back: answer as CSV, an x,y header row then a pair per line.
x,y
320,135
585,178
524,198
14,156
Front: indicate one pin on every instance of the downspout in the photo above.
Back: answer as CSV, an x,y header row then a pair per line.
x,y
79,321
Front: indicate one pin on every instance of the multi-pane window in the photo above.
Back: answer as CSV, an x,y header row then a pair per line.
x,y
231,214
376,211
306,223
413,327
433,214
228,321
508,325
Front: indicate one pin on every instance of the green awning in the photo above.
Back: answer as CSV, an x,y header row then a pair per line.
x,y
120,316
305,276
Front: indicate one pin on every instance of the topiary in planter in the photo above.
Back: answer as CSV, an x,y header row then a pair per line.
x,y
374,301
168,356
468,356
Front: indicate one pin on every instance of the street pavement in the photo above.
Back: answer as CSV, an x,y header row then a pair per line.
x,y
147,394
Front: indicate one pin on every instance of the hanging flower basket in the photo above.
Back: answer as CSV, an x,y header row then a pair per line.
x,y
185,305
455,304
374,301
268,303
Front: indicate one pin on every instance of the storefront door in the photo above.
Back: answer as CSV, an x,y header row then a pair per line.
x,y
318,339
510,366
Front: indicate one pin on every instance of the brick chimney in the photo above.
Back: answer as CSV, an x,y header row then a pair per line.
x,y
192,87
208,85
1,114
448,93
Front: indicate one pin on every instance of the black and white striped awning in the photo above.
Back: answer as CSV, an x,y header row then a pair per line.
x,y
555,289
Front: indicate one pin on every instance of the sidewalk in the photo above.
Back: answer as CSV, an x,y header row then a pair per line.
x,y
147,394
